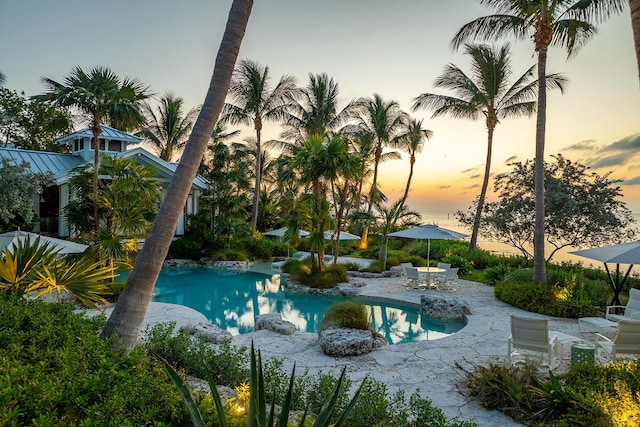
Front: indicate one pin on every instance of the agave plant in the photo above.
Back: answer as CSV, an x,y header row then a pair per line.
x,y
257,414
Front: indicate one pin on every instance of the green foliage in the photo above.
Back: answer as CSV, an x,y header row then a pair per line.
x,y
258,249
492,275
440,249
503,387
376,267
227,363
56,369
18,185
458,261
302,272
185,248
392,261
566,293
554,396
481,259
230,255
330,413
346,314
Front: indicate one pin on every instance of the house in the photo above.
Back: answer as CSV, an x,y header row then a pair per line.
x,y
48,205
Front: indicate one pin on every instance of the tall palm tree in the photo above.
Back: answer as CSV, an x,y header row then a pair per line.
x,y
252,102
100,95
167,127
563,23
3,78
382,120
634,5
487,93
315,111
411,139
131,307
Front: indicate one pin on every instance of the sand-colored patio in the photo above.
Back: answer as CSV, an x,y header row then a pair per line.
x,y
435,367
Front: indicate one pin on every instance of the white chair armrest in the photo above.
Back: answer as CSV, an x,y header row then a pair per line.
x,y
634,315
600,337
609,307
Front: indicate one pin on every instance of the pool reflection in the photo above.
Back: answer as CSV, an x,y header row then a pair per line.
x,y
232,301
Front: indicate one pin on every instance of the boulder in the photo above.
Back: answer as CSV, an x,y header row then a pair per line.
x,y
379,340
444,307
210,332
342,342
274,322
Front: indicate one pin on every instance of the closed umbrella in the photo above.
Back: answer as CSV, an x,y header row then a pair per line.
x,y
63,247
623,253
428,232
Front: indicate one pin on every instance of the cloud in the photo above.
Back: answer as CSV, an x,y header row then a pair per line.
x,y
629,143
510,159
444,187
475,176
469,170
587,145
608,161
473,186
632,181
617,153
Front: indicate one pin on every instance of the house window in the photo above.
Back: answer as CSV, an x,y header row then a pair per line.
x,y
115,146
78,144
102,142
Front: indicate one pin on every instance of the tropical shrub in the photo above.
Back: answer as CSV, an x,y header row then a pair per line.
x,y
440,249
230,255
392,261
346,314
492,275
57,370
258,249
459,261
375,267
481,259
185,248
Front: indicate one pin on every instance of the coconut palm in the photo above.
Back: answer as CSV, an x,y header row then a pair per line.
x,y
131,307
382,121
487,93
563,23
100,95
168,126
411,139
3,78
252,102
316,110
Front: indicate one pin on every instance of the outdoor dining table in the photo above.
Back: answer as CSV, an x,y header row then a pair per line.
x,y
428,271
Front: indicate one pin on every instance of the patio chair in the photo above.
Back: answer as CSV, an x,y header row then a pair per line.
x,y
447,278
403,267
631,311
532,335
413,278
626,341
444,266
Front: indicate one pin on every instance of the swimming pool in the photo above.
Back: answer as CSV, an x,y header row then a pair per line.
x,y
232,299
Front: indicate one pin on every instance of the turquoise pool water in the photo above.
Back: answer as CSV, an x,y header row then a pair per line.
x,y
231,300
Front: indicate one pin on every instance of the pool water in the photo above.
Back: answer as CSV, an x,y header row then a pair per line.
x,y
232,299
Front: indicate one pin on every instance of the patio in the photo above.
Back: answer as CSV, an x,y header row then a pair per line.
x,y
431,366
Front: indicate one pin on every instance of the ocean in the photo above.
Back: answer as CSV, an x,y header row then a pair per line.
x,y
448,220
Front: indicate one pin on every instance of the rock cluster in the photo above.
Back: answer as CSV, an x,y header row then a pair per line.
x,y
210,332
343,342
274,322
444,307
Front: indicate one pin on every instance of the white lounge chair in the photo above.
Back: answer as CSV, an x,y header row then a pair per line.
x,y
626,341
631,311
532,335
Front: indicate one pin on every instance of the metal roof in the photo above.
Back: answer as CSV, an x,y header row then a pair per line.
x,y
107,133
43,161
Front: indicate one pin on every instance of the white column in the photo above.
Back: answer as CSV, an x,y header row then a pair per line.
x,y
63,194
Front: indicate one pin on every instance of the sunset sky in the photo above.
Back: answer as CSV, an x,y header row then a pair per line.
x,y
395,49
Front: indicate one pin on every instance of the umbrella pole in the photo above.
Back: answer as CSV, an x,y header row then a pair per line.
x,y
428,251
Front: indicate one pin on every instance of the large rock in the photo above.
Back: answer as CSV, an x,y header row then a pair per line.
x,y
209,331
341,342
274,322
444,307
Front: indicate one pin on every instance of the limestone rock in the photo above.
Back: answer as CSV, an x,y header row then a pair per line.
x,y
343,342
274,322
379,340
444,307
209,331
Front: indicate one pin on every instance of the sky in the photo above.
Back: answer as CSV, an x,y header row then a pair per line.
x,y
393,48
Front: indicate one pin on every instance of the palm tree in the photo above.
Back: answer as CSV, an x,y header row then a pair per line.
x,y
251,103
168,127
131,307
100,95
3,78
547,22
316,110
382,120
411,140
485,93
634,5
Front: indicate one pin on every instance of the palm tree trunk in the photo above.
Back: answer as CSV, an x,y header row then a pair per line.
x,y
634,5
374,183
483,191
539,265
412,160
256,190
131,307
96,129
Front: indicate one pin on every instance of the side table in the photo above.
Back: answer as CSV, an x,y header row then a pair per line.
x,y
582,353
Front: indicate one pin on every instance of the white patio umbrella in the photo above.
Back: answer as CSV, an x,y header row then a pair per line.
x,y
11,239
428,232
623,253
280,232
332,235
